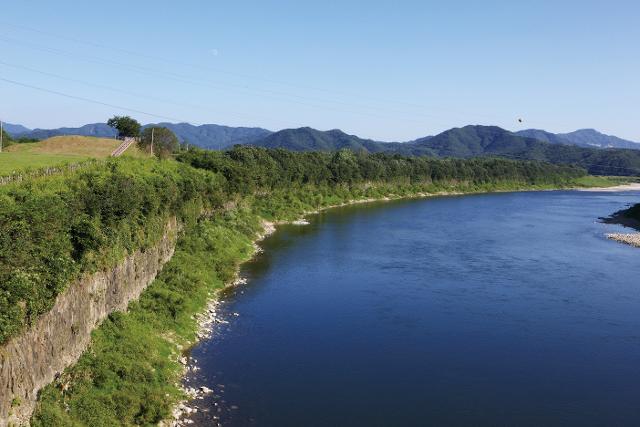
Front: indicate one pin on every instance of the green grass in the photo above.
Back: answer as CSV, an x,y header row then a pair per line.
x,y
591,181
58,151
16,162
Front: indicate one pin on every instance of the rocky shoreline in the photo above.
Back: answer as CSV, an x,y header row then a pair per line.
x,y
207,320
632,239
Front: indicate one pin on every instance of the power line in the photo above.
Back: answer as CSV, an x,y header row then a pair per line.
x,y
132,94
93,101
185,79
217,70
507,156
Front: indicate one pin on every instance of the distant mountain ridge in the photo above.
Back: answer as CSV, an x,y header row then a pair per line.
x,y
215,137
100,130
13,130
211,136
587,148
466,142
581,137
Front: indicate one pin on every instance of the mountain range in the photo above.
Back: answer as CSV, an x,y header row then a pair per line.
x,y
599,153
213,136
581,137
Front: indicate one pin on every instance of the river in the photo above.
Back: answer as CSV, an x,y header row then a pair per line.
x,y
483,310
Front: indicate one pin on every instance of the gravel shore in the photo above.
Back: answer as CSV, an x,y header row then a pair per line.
x,y
632,239
625,187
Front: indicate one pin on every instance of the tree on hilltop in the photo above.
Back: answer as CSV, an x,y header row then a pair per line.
x,y
125,125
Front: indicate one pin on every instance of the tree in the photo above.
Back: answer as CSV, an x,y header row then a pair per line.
x,y
165,142
125,125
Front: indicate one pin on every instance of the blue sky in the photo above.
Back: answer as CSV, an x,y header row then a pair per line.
x,y
385,70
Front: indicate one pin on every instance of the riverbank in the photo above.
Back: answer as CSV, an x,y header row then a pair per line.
x,y
396,274
133,371
616,188
211,317
628,218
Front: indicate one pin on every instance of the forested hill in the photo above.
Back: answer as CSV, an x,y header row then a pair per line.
x,y
472,141
465,142
309,139
214,137
210,136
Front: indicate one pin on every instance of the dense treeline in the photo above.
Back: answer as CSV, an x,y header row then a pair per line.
x,y
248,169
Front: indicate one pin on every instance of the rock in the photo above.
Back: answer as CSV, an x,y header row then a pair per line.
x,y
205,390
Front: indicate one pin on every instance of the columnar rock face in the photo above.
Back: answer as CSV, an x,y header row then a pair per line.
x,y
32,360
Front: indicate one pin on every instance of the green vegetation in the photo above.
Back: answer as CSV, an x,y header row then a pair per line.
x,y
18,162
128,376
466,142
125,125
251,169
8,140
54,229
91,218
160,141
603,181
56,152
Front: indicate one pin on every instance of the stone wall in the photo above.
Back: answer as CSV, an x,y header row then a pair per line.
x,y
31,360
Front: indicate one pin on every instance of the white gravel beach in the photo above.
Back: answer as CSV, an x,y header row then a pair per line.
x,y
632,239
626,187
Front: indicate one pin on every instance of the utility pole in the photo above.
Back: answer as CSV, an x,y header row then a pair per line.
x,y
152,131
1,134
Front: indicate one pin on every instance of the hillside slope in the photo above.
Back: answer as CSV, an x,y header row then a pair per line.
x,y
309,139
59,150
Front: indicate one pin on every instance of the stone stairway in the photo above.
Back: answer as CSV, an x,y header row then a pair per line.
x,y
123,147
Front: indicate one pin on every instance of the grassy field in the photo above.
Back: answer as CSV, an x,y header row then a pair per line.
x,y
58,151
591,181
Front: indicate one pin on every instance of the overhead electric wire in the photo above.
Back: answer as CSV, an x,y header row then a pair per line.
x,y
134,94
158,73
119,107
184,79
235,74
94,101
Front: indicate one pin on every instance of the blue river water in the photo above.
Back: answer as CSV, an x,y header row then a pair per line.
x,y
508,309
